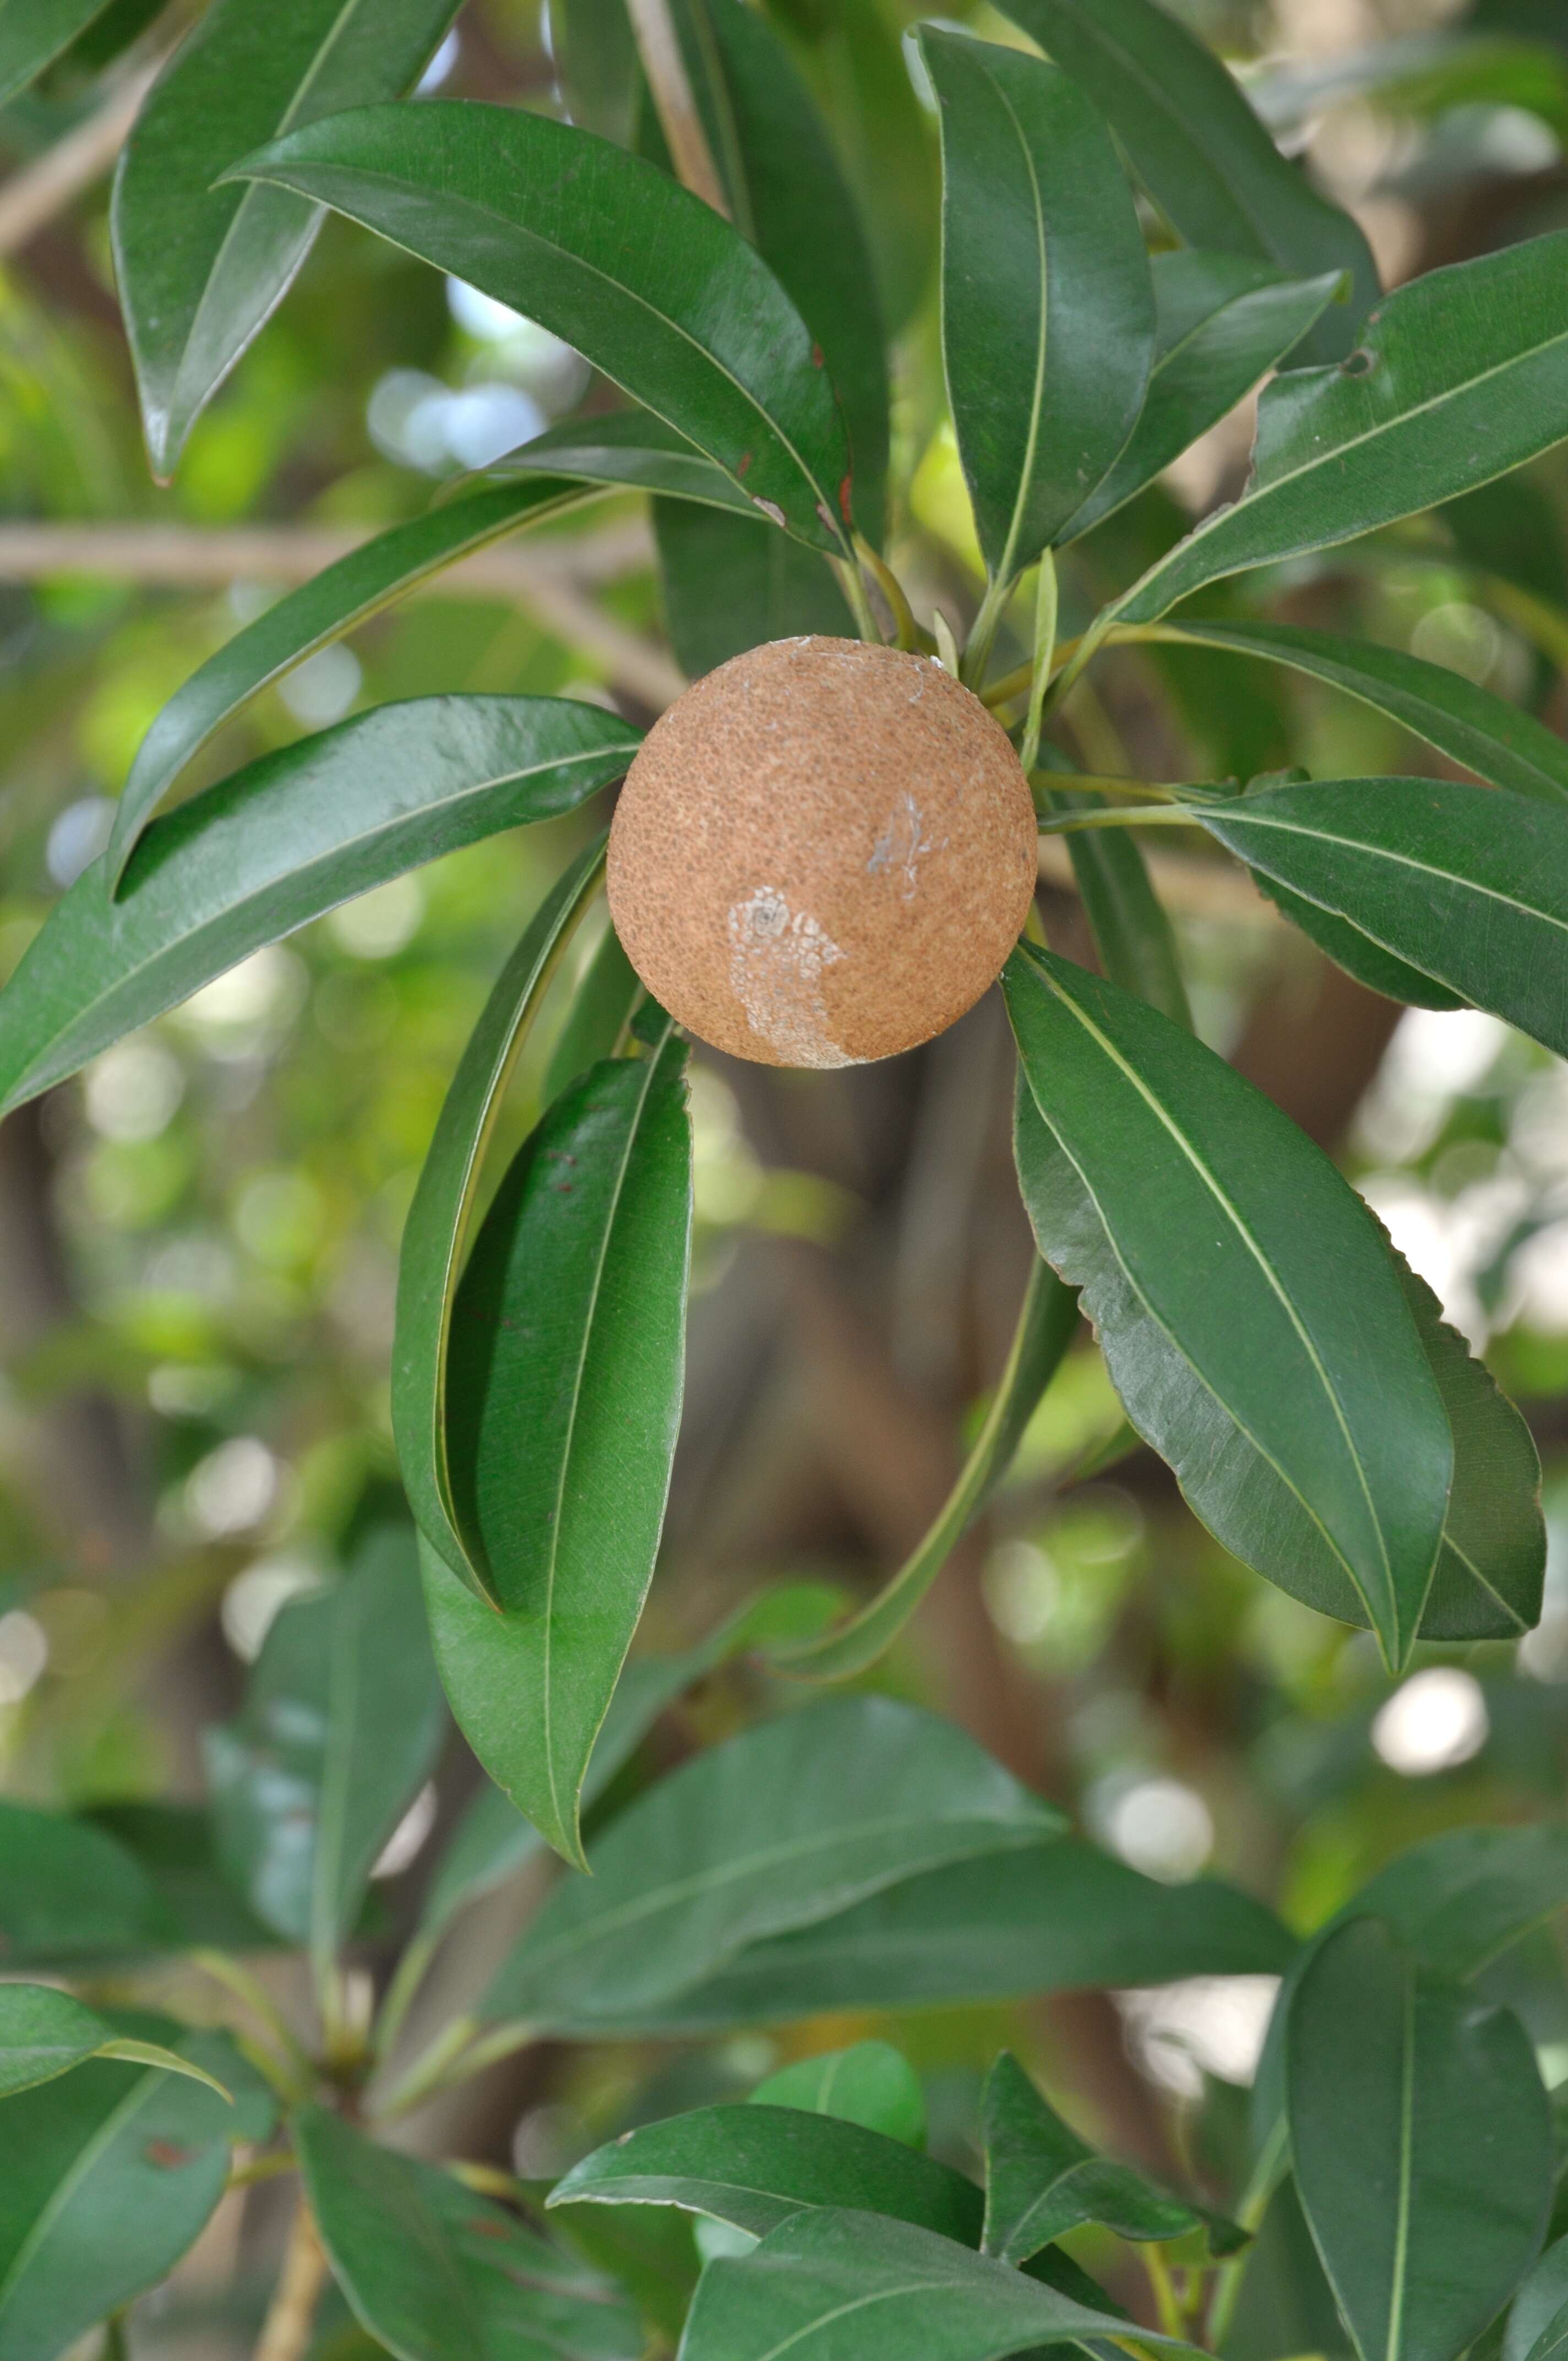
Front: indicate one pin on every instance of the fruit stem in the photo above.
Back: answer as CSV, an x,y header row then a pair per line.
x,y
892,589
854,591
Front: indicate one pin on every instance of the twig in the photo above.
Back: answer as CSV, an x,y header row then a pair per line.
x,y
660,51
286,2331
31,198
185,557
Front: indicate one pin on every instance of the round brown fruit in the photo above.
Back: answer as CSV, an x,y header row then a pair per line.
x,y
823,854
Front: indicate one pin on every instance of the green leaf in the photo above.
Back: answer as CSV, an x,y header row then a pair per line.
x,y
731,584
342,596
1463,1898
628,447
432,2270
1047,1326
1221,321
1459,376
906,2290
605,994
596,65
871,2083
792,1821
33,33
1421,2144
1251,1318
111,2173
493,1838
435,1232
68,1892
201,268
1200,150
564,1375
1042,2180
754,2166
173,1844
1538,2319
1047,311
282,841
1132,930
44,2032
1468,885
1062,1918
1497,740
340,1727
602,248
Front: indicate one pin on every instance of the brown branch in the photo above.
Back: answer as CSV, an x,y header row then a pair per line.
x,y
31,198
660,51
286,2331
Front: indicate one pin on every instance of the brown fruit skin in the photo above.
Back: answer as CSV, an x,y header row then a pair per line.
x,y
822,854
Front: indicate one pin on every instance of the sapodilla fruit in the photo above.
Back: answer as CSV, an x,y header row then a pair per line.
x,y
823,854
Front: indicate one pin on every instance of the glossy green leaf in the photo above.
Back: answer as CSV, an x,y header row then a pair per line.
x,y
33,33
596,65
1251,1318
1463,1898
432,2270
1468,885
68,1892
595,1025
340,1727
111,2174
280,842
564,1373
1497,740
1459,376
1047,311
791,1822
630,448
871,2083
201,268
1042,2180
45,2032
1221,321
493,1838
1132,929
1047,1326
1057,1918
1537,2326
789,197
1421,2145
605,250
824,2285
731,584
1359,956
754,2166
435,1232
1197,147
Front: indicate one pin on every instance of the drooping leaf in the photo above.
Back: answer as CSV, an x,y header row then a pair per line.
x,y
629,448
493,1838
564,1373
45,2032
435,1232
1215,1246
1468,885
787,195
1220,321
596,65
871,2083
340,1727
68,1892
432,2270
1047,311
605,250
899,2290
1042,2180
201,268
1421,2145
111,2174
1197,147
1498,741
280,842
1459,376
1055,1918
33,33
1047,1326
792,1822
731,584
754,2166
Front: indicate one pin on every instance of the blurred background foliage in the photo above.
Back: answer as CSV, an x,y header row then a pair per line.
x,y
198,1239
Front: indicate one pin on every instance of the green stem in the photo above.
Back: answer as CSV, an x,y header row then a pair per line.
x,y
1044,651
893,590
854,591
1134,816
982,633
1255,2204
117,2344
429,2071
1164,2286
407,1979
1087,647
294,2074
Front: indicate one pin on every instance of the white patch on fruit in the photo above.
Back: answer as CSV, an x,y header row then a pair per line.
x,y
777,958
900,846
